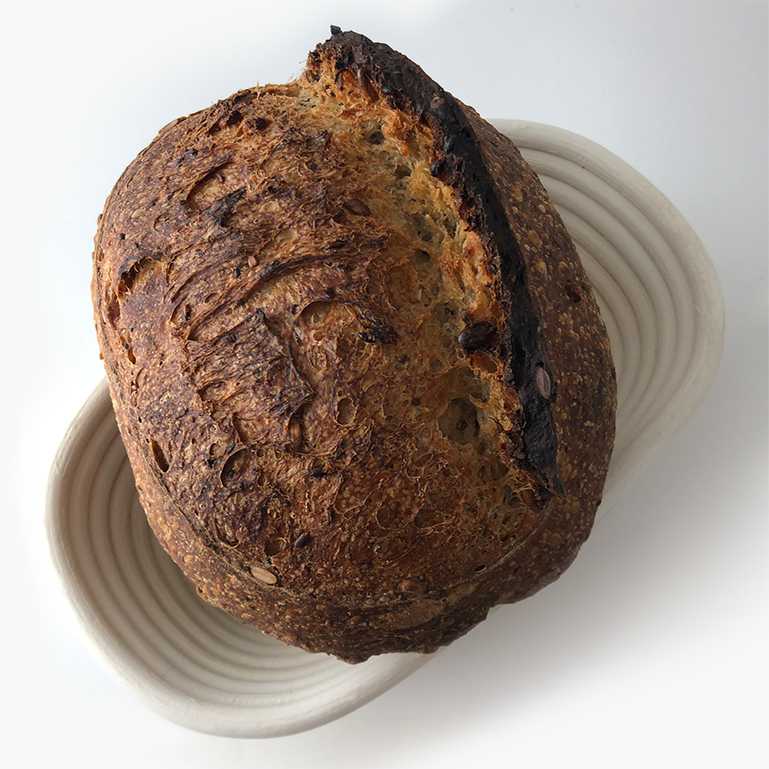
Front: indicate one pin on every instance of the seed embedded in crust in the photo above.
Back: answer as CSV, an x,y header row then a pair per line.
x,y
263,575
375,137
357,207
573,293
259,123
544,385
479,336
409,586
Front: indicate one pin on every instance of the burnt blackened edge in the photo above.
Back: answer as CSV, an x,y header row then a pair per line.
x,y
460,164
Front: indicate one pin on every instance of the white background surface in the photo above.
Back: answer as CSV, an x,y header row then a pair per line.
x,y
652,649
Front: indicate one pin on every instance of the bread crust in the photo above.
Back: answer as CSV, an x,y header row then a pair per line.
x,y
208,399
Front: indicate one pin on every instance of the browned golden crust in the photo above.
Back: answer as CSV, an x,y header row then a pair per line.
x,y
362,381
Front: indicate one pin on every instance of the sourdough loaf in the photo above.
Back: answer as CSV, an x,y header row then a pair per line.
x,y
362,381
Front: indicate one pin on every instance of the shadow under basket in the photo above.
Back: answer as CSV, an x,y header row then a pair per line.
x,y
195,665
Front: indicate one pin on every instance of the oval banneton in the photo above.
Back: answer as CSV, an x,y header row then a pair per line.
x,y
140,611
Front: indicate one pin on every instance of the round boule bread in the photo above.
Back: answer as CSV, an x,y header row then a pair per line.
x,y
360,375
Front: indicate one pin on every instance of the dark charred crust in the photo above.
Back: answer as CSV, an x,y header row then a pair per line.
x,y
459,163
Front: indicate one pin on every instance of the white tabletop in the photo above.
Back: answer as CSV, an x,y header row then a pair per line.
x,y
651,650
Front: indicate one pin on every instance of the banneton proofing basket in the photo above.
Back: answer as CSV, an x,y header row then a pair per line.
x,y
195,665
